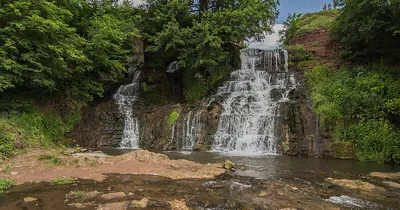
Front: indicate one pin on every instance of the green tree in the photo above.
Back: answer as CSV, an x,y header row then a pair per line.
x,y
38,49
291,26
202,35
65,48
369,29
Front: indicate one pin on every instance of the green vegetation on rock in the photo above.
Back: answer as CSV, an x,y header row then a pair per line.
x,y
6,184
55,56
361,105
76,195
62,180
172,117
368,29
299,24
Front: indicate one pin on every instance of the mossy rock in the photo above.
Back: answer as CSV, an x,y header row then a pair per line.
x,y
343,150
229,165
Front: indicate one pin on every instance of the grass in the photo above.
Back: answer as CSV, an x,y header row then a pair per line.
x,y
33,128
313,21
62,180
6,184
7,169
76,195
46,157
298,53
56,161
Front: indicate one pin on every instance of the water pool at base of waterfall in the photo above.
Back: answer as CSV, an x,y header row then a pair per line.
x,y
278,166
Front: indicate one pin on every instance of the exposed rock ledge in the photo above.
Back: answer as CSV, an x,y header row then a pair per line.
x,y
27,167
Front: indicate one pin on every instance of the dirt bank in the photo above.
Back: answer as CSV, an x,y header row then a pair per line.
x,y
28,167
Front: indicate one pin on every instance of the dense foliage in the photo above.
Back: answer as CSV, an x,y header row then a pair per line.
x,y
368,29
203,36
54,57
362,106
66,48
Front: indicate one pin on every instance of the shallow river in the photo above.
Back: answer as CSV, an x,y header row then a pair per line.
x,y
280,166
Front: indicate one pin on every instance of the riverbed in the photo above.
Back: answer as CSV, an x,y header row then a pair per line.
x,y
259,182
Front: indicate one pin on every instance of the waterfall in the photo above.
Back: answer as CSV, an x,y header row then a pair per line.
x,y
125,97
193,127
251,99
186,131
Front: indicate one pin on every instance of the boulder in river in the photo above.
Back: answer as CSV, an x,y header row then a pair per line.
x,y
228,164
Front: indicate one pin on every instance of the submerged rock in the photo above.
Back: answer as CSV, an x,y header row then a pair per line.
x,y
178,205
391,184
29,199
140,203
110,196
354,184
386,175
114,206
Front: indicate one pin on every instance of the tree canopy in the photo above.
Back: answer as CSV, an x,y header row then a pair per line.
x,y
62,47
202,35
369,29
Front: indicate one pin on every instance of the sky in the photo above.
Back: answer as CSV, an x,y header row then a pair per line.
x,y
286,7
300,6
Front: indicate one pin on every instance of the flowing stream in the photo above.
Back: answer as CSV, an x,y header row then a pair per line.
x,y
125,97
251,99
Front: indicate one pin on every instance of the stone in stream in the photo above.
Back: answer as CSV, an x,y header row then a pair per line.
x,y
140,203
110,196
354,184
229,165
29,199
391,184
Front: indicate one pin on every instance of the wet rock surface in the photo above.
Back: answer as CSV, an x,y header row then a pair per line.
x,y
224,192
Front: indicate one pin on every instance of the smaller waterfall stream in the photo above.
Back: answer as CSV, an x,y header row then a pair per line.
x,y
192,128
125,97
185,131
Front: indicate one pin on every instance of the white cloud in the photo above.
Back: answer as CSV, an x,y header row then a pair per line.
x,y
270,41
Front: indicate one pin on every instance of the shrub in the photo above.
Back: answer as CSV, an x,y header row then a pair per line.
x,y
6,184
172,118
62,180
46,157
298,53
374,140
356,103
76,195
34,128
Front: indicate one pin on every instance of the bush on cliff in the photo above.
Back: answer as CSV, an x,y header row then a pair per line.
x,y
368,29
299,24
361,105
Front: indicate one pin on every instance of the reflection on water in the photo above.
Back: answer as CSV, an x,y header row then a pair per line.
x,y
279,166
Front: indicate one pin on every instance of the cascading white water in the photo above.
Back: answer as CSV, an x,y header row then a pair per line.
x,y
185,132
125,97
192,128
248,122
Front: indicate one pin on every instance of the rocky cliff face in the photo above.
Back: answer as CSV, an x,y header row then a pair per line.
x,y
298,131
102,125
